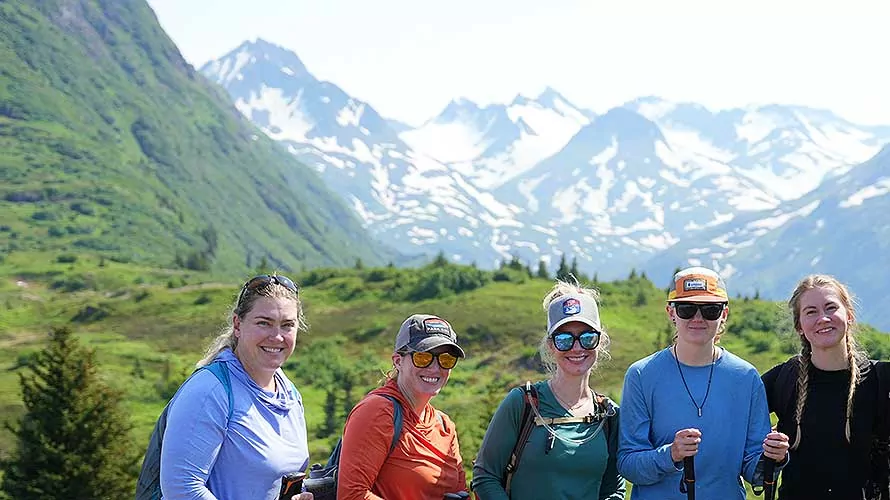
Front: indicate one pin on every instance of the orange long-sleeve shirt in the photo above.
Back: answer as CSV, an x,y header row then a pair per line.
x,y
424,465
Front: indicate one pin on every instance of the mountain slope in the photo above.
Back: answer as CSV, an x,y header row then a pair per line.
x,y
403,196
492,144
111,143
842,228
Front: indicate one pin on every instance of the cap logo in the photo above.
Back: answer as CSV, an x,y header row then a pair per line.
x,y
571,306
436,326
695,284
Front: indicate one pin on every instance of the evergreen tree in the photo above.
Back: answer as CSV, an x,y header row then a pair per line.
x,y
73,440
542,270
562,272
574,269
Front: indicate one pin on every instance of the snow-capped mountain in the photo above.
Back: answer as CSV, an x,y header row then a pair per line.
x,y
841,228
540,177
492,144
786,150
402,195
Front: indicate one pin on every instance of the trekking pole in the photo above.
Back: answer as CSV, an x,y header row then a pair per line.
x,y
769,480
689,477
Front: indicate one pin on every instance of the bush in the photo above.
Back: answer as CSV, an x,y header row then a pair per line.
x,y
66,258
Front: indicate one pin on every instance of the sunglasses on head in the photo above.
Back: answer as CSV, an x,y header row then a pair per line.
x,y
264,280
564,341
423,359
709,312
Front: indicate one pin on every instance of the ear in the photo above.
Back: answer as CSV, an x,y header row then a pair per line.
x,y
396,359
236,325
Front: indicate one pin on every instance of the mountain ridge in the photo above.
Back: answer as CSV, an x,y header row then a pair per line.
x,y
116,146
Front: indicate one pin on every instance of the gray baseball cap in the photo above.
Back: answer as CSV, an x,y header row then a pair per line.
x,y
422,332
573,307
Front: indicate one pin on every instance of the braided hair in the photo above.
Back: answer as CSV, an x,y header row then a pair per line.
x,y
854,353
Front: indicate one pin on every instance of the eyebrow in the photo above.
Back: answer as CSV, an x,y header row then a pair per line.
x,y
270,318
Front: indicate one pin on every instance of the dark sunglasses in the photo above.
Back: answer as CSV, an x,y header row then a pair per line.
x,y
564,341
708,311
423,359
264,280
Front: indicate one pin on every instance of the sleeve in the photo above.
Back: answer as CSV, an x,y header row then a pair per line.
x,y
638,459
196,429
497,444
613,485
758,428
769,380
366,440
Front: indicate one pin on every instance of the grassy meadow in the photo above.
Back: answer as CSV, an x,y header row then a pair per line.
x,y
149,325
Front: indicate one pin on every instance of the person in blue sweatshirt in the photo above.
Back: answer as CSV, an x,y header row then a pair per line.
x,y
695,399
208,456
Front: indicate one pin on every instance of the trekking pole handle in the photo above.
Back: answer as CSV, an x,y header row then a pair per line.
x,y
769,479
689,476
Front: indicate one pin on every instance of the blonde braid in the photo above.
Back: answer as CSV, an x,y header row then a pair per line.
x,y
855,377
803,379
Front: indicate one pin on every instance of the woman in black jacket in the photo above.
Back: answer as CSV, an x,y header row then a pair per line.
x,y
826,398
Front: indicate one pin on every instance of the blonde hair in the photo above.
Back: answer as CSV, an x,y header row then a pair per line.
x,y
243,304
855,354
559,289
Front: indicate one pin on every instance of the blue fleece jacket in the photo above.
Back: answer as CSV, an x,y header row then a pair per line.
x,y
206,458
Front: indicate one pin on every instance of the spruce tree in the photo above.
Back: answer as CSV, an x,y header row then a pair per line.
x,y
542,270
73,440
562,272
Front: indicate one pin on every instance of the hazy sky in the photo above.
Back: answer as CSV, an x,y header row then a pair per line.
x,y
408,58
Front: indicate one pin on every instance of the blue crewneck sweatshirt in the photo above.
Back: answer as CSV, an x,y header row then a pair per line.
x,y
204,458
655,405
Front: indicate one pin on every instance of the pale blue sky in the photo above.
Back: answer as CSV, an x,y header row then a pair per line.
x,y
408,58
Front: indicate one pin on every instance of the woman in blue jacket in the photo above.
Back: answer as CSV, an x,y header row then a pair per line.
x,y
207,455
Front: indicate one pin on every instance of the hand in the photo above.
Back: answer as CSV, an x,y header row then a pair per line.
x,y
685,444
303,496
775,446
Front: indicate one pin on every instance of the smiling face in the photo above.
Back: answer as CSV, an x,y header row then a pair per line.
x,y
823,319
577,361
266,337
421,384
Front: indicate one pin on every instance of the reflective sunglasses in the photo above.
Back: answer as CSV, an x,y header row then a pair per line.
x,y
708,311
423,359
564,341
264,280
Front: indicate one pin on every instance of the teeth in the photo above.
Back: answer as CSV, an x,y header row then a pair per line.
x,y
430,380
274,350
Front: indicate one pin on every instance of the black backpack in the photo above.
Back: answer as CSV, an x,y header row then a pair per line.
x,y
878,486
322,479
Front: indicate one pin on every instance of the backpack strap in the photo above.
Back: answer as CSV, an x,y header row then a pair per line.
x,y
221,371
397,422
530,395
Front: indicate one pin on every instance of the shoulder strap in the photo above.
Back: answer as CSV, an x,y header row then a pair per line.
x,y
530,395
397,421
221,370
609,412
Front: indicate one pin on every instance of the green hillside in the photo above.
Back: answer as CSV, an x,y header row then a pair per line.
x,y
111,144
149,326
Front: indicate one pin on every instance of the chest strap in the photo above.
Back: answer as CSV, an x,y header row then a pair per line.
x,y
586,419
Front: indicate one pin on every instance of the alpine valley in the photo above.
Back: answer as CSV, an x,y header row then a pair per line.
x,y
764,194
